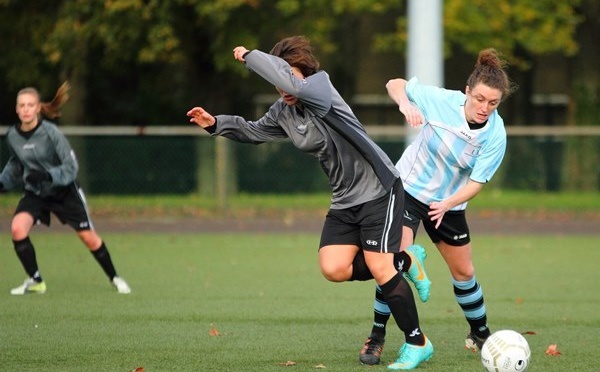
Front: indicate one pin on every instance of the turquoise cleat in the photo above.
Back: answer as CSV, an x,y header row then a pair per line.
x,y
416,272
410,356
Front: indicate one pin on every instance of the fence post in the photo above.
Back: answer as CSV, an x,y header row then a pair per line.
x,y
223,168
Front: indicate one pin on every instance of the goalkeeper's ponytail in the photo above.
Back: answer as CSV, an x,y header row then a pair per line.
x,y
51,109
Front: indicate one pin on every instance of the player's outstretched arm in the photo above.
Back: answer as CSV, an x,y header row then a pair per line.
x,y
201,117
396,89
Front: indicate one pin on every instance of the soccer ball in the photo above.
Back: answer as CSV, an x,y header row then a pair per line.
x,y
505,351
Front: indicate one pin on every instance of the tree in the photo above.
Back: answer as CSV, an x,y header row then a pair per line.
x,y
129,52
176,43
520,29
534,26
23,63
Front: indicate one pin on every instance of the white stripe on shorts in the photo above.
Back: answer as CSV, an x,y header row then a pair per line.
x,y
389,218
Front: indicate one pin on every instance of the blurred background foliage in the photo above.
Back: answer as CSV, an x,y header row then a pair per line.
x,y
144,62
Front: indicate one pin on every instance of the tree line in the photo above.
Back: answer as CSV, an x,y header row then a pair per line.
x,y
145,62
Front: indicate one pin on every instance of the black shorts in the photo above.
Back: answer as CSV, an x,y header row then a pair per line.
x,y
68,204
453,230
373,226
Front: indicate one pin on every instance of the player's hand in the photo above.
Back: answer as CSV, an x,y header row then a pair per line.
x,y
36,177
238,53
437,211
413,115
202,118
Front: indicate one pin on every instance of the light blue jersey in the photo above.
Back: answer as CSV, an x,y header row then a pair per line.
x,y
446,152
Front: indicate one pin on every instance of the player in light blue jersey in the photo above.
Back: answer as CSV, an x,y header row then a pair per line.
x,y
457,151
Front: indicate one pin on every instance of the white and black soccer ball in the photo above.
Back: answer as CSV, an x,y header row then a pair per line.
x,y
505,351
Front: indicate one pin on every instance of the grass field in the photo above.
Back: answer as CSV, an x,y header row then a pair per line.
x,y
265,297
505,201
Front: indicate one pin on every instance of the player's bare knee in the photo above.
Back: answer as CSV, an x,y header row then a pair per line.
x,y
464,273
336,274
18,232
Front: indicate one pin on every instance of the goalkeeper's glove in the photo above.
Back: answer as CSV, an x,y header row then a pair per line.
x,y
36,176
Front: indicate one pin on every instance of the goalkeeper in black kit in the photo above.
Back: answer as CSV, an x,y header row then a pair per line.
x,y
43,164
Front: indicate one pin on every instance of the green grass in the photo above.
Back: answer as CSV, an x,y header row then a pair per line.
x,y
265,296
586,204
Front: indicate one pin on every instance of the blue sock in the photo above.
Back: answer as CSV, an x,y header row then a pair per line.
x,y
470,299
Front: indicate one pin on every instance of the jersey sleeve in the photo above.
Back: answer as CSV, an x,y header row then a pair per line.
x,y
12,174
425,97
490,159
265,129
66,172
313,91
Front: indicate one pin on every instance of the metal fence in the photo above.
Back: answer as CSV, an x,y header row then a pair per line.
x,y
183,160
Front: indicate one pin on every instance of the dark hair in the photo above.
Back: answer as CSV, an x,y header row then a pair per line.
x,y
50,109
297,51
489,70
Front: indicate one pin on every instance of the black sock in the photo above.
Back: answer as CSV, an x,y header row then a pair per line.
x,y
103,257
381,315
26,253
381,311
399,298
360,270
402,261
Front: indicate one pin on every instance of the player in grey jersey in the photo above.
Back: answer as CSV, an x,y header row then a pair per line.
x,y
362,229
42,163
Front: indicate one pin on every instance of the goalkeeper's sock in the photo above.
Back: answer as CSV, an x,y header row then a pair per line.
x,y
26,253
103,257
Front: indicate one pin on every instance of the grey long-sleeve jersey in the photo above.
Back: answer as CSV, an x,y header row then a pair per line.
x,y
358,169
43,149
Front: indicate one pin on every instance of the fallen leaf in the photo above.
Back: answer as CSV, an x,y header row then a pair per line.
x,y
320,366
519,300
528,333
552,350
138,369
289,363
213,332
